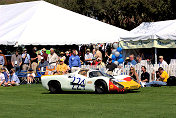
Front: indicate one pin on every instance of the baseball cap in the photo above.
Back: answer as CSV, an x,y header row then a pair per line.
x,y
61,60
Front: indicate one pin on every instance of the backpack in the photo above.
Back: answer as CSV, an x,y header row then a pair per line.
x,y
171,81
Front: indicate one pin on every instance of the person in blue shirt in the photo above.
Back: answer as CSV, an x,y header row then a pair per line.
x,y
132,61
13,79
74,62
26,60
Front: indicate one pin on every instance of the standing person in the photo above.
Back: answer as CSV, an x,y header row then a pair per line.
x,y
98,54
39,56
62,56
44,54
16,61
133,74
26,60
52,58
67,58
132,61
74,62
2,59
88,57
145,76
162,62
34,60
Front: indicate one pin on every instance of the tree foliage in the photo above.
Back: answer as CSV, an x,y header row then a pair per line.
x,y
126,14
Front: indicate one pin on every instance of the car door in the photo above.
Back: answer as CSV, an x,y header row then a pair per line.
x,y
77,82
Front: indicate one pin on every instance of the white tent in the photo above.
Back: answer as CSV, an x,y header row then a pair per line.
x,y
161,34
153,30
41,23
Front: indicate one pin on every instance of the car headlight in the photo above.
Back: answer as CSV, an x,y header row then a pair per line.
x,y
117,84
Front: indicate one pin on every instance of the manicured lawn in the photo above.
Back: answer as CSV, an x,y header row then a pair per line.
x,y
34,101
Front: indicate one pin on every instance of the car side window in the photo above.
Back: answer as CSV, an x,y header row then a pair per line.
x,y
83,72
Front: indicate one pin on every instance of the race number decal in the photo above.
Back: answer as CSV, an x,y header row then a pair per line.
x,y
78,84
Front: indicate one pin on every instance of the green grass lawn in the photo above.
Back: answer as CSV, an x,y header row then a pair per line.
x,y
34,101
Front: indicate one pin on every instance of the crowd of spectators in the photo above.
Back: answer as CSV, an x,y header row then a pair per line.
x,y
69,61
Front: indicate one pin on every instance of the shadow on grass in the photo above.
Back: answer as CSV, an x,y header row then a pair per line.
x,y
83,92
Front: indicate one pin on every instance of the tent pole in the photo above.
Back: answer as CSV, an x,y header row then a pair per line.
x,y
155,55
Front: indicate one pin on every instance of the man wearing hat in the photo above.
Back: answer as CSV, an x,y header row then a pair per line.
x,y
52,58
44,54
162,62
26,60
61,67
62,56
88,57
16,61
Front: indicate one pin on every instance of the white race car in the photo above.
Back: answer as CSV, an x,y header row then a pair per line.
x,y
82,80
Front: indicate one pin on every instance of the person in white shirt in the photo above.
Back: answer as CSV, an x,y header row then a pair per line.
x,y
2,78
88,57
162,62
30,76
52,58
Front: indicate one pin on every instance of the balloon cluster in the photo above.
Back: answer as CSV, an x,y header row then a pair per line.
x,y
116,54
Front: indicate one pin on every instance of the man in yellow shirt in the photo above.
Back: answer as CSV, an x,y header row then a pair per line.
x,y
162,78
62,68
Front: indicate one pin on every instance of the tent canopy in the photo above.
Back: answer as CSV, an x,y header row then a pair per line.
x,y
42,23
160,34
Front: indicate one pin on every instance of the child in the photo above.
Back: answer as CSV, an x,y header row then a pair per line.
x,y
13,79
30,76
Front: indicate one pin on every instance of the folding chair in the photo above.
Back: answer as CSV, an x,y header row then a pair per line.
x,y
50,70
23,76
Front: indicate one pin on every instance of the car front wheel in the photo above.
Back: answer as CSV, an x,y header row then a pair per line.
x,y
101,87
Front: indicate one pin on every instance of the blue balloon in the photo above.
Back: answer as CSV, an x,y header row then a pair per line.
x,y
113,61
119,49
120,60
113,57
120,56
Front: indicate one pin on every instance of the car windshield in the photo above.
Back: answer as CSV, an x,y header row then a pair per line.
x,y
95,74
107,75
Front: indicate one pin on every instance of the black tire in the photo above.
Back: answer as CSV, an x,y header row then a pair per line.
x,y
101,87
54,87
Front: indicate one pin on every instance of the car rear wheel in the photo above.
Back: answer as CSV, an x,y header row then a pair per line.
x,y
54,87
101,87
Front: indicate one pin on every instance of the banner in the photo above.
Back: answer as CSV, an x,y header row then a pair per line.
x,y
157,43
